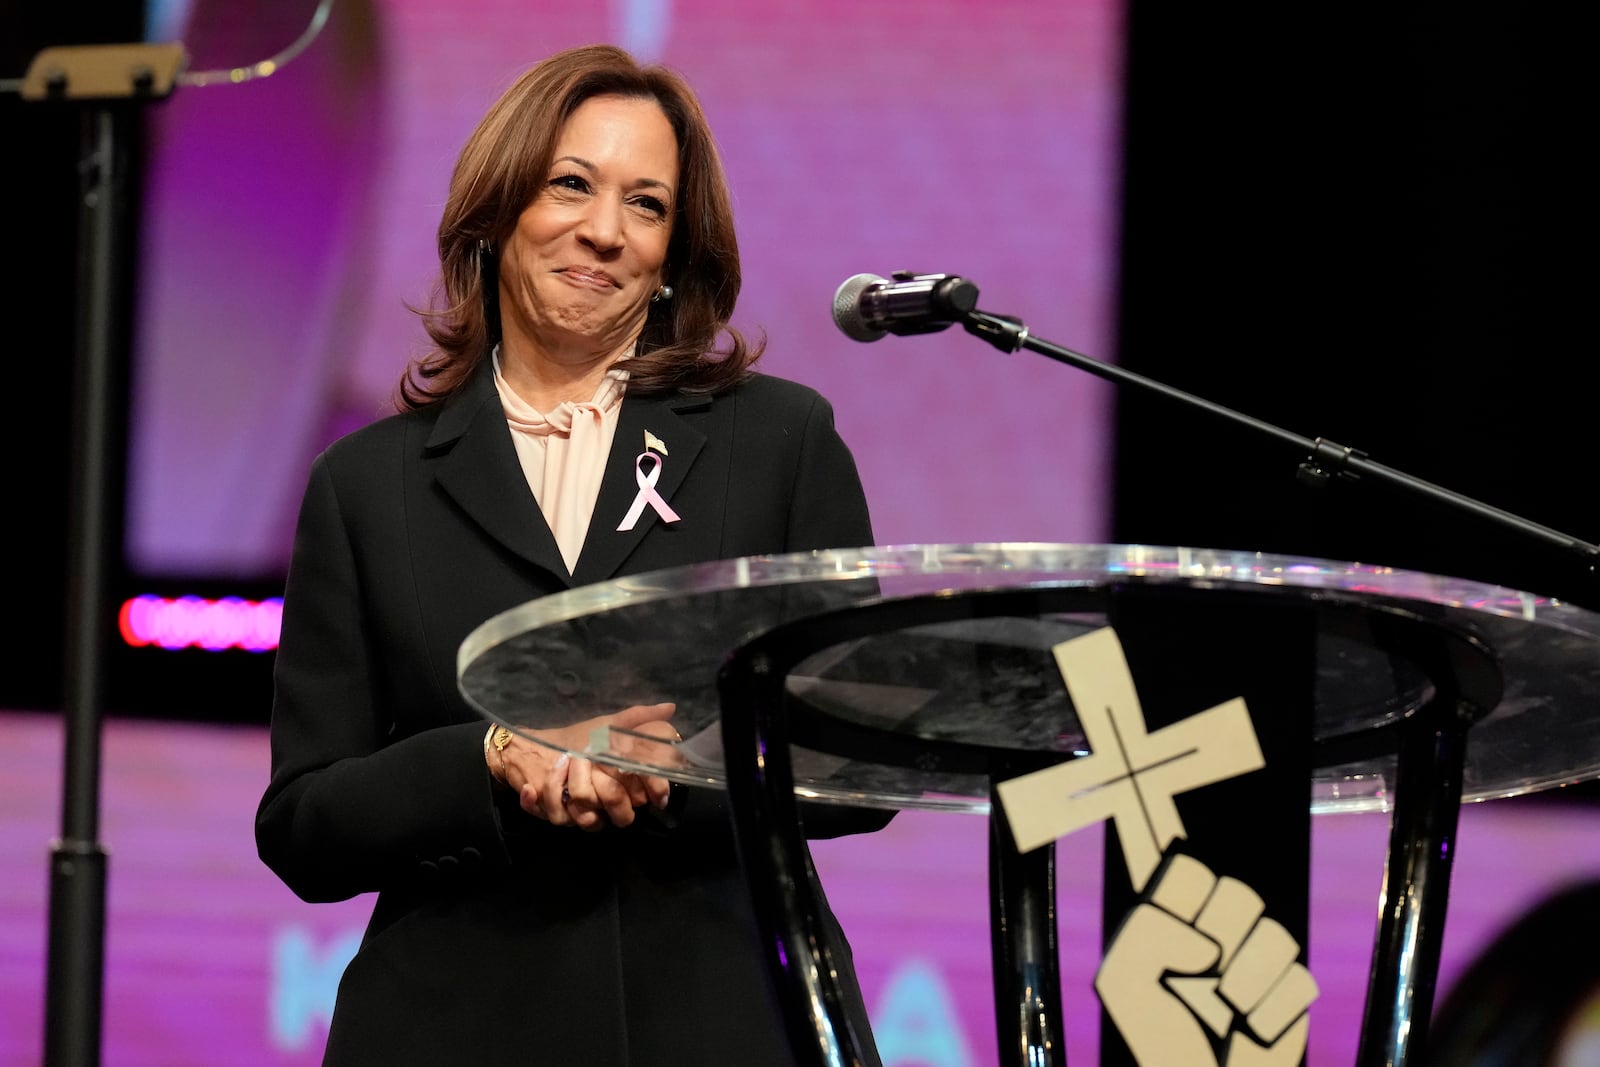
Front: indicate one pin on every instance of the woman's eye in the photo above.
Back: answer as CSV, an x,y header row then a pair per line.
x,y
652,205
575,182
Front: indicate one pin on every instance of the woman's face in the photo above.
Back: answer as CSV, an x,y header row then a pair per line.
x,y
578,272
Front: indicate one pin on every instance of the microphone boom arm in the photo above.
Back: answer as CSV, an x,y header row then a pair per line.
x,y
1325,460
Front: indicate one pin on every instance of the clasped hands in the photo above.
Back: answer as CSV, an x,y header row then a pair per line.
x,y
567,790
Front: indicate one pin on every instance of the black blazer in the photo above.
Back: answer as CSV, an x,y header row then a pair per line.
x,y
497,938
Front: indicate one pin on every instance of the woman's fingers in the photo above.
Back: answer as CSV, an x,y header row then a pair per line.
x,y
636,716
650,743
641,789
528,771
657,790
629,783
612,795
552,792
580,799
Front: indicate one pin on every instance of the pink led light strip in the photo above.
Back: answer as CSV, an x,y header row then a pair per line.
x,y
196,622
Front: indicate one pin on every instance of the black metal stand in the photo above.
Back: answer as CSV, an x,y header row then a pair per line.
x,y
74,987
777,869
107,83
1416,888
1026,957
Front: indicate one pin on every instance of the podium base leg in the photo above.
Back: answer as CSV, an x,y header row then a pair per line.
x,y
1416,890
1027,973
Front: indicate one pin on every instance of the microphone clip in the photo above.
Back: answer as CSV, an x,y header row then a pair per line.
x,y
939,299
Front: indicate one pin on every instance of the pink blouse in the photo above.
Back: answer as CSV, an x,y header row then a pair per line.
x,y
563,454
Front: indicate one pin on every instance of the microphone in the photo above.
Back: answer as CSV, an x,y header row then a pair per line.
x,y
866,306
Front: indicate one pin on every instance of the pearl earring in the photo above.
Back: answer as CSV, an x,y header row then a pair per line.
x,y
662,293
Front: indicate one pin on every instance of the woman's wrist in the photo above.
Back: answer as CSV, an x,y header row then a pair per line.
x,y
494,751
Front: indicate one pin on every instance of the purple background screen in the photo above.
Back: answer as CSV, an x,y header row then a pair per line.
x,y
289,220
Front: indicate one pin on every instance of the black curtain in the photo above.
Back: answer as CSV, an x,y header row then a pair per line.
x,y
1370,225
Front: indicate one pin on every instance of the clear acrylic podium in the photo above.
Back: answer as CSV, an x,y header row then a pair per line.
x,y
919,676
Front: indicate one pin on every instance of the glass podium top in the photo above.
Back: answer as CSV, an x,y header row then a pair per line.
x,y
582,655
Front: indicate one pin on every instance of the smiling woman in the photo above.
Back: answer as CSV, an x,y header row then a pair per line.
x,y
588,255
575,421
524,185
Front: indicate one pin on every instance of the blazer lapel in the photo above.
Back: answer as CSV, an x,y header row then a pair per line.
x,y
605,548
477,466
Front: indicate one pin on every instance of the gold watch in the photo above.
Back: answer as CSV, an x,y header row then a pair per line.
x,y
499,737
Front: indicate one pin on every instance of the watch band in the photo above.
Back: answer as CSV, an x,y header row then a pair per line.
x,y
496,741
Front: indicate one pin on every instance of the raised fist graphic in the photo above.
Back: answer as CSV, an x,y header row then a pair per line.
x,y
1198,975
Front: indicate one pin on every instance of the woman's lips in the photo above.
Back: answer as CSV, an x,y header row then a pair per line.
x,y
599,279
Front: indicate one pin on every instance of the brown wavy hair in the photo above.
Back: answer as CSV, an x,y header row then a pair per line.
x,y
502,168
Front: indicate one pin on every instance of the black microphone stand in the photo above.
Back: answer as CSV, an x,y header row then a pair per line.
x,y
1324,460
105,83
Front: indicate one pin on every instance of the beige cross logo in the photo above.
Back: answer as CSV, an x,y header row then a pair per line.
x,y
1131,775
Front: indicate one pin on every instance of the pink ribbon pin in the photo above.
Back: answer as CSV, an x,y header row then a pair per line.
x,y
647,493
